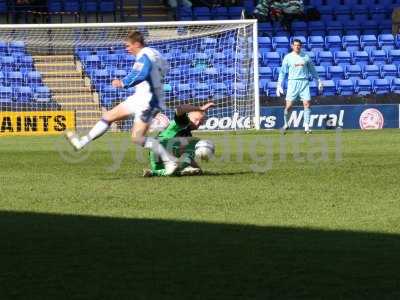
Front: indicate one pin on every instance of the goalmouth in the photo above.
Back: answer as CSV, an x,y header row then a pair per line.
x,y
69,68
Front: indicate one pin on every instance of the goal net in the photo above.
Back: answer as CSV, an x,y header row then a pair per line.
x,y
63,73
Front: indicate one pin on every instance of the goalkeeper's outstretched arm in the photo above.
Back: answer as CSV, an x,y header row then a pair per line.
x,y
187,108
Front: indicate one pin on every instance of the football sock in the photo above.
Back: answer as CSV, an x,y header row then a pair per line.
x,y
158,149
307,113
286,113
98,130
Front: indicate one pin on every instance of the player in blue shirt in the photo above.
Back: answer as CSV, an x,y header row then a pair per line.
x,y
299,68
147,76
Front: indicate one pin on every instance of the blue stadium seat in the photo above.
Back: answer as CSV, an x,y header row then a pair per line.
x,y
7,63
92,62
26,62
3,48
381,86
90,6
345,87
344,19
15,78
360,9
265,73
394,56
42,94
111,60
335,72
265,42
184,13
280,42
6,92
210,74
201,13
55,6
262,86
370,27
271,88
334,28
265,29
395,86
352,27
311,55
299,28
72,6
22,94
33,78
220,58
235,12
316,43
316,28
276,71
126,61
220,13
368,42
321,70
385,26
353,72
82,54
107,6
2,78
201,91
313,89
3,7
351,42
363,87
333,43
361,18
272,59
16,46
342,58
361,58
325,58
386,41
109,95
329,88
389,71
220,91
184,91
378,57
371,72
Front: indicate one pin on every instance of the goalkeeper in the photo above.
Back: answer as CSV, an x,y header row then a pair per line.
x,y
177,138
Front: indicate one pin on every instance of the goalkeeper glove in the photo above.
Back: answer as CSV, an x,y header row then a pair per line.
x,y
320,86
279,89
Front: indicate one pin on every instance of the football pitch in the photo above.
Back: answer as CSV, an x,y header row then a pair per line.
x,y
273,217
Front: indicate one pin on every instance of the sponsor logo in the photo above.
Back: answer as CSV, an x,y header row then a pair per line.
x,y
36,123
371,118
296,120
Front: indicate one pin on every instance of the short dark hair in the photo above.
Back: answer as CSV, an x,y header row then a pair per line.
x,y
297,41
135,36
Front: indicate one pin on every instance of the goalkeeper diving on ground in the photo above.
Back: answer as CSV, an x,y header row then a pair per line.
x,y
178,137
147,76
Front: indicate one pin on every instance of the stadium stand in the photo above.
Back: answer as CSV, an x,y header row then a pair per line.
x,y
19,80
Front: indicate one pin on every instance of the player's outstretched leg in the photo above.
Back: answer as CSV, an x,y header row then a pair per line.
x,y
117,113
98,130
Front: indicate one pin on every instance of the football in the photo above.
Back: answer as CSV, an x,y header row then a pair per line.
x,y
204,149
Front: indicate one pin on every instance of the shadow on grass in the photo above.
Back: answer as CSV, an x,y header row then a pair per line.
x,y
45,256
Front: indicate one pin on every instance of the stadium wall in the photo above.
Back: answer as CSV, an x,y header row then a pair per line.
x,y
367,116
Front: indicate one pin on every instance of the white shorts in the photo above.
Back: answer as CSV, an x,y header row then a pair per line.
x,y
141,107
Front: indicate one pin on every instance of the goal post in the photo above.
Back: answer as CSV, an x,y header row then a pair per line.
x,y
69,68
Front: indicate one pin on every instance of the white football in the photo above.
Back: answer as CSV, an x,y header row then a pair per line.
x,y
204,149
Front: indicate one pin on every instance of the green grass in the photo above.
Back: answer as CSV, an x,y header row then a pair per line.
x,y
321,228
